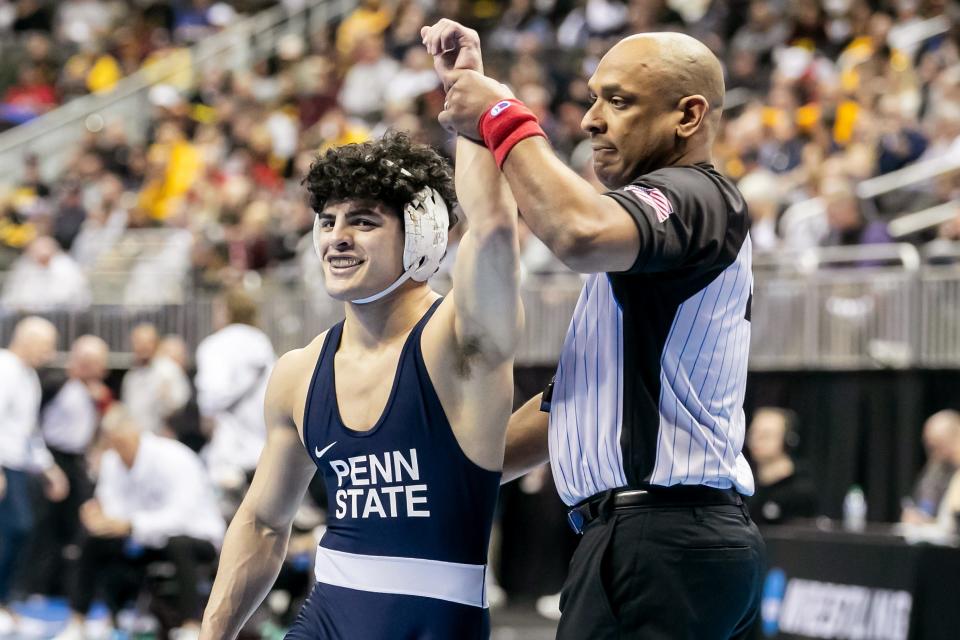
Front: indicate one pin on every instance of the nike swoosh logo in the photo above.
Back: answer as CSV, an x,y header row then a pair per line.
x,y
319,452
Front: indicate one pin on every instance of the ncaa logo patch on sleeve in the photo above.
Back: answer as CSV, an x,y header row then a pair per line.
x,y
499,108
652,197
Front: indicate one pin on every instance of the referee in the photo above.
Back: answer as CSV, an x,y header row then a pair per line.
x,y
646,422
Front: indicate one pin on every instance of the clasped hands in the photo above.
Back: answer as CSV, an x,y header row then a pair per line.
x,y
457,60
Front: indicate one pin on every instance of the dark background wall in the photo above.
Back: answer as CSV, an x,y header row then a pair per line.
x,y
860,427
857,427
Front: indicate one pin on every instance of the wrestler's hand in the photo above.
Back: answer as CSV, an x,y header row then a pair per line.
x,y
469,96
453,47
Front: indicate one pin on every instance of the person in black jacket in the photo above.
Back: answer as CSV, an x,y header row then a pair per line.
x,y
784,491
72,402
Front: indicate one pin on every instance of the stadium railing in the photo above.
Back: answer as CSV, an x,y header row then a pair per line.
x,y
53,136
940,305
837,308
864,307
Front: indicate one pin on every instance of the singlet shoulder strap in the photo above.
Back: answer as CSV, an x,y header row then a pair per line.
x,y
418,328
412,348
320,386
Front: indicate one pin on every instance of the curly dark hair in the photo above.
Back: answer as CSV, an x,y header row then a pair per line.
x,y
372,171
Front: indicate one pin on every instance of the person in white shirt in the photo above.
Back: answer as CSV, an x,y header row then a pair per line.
x,y
69,417
365,84
21,450
185,424
155,387
46,278
153,501
233,366
762,193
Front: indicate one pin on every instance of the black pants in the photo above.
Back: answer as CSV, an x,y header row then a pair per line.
x,y
684,573
107,564
57,527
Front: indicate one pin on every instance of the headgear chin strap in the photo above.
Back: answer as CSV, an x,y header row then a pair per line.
x,y
425,223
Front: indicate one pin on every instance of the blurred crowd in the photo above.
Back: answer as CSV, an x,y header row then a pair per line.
x,y
119,490
52,52
821,95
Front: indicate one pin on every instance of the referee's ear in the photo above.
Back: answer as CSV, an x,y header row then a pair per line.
x,y
693,110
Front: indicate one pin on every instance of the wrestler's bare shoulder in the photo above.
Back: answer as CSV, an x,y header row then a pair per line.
x,y
291,376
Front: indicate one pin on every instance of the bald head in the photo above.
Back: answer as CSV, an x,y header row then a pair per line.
x,y
120,432
175,348
88,358
43,250
118,420
143,342
34,341
941,435
658,100
677,63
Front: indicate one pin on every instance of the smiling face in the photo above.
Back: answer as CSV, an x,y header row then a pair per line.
x,y
361,248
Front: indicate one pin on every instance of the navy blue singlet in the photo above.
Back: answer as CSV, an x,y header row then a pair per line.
x,y
405,550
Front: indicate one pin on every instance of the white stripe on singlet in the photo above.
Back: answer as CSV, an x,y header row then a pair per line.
x,y
451,581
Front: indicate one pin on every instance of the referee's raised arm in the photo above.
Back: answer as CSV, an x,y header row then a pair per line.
x,y
646,422
656,103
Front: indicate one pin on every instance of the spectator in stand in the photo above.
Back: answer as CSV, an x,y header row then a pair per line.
x,y
21,449
72,403
900,144
174,166
842,89
364,87
233,366
153,501
155,386
760,190
845,218
185,423
69,216
520,21
45,278
83,21
31,179
32,96
371,17
948,513
783,152
104,224
764,31
784,491
940,432
415,78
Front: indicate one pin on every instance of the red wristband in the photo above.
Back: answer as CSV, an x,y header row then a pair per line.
x,y
505,124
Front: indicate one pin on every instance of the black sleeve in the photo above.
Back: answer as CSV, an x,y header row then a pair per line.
x,y
683,217
51,381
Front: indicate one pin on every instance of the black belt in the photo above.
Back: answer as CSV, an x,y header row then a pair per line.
x,y
652,496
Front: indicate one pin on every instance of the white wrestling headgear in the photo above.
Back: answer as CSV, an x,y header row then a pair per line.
x,y
425,223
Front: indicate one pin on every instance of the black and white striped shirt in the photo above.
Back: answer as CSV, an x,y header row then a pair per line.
x,y
650,384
